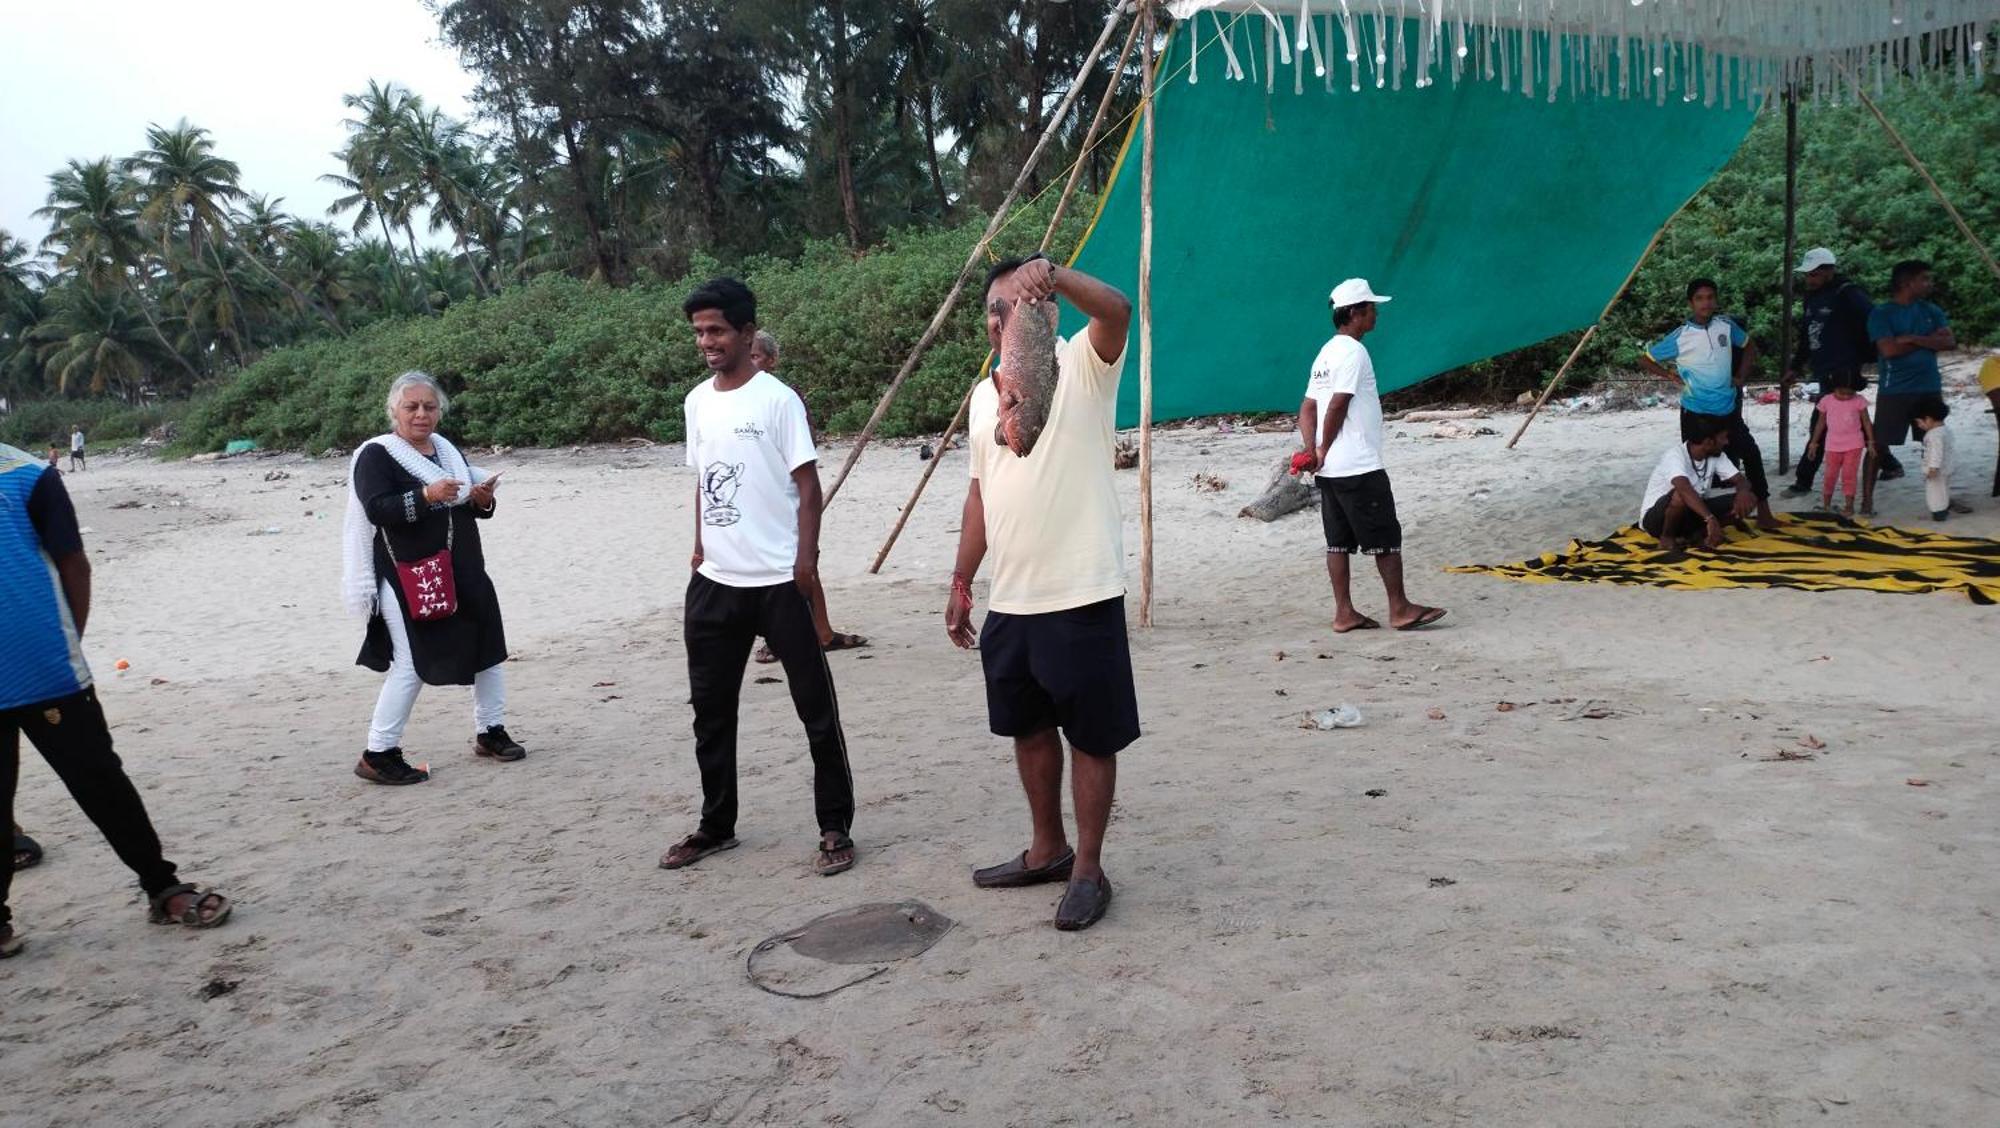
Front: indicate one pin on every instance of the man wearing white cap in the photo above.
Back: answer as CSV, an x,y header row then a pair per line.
x,y
1340,423
1832,344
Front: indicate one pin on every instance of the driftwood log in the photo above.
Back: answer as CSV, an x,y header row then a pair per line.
x,y
1439,416
1285,494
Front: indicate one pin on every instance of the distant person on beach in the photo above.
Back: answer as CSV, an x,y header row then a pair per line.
x,y
765,355
46,694
1053,649
1989,382
55,457
1832,345
414,566
1927,416
1683,502
1842,433
1714,357
1340,424
1909,331
76,447
755,566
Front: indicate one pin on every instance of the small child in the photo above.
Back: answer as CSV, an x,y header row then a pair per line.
x,y
1841,426
1928,416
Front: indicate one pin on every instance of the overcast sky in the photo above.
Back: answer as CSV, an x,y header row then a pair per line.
x,y
83,78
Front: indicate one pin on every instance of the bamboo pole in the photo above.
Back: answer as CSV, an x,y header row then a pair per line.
x,y
1911,157
1791,248
972,260
1048,236
1146,13
1556,380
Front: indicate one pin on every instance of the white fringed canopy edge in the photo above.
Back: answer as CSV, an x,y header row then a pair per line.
x,y
1714,50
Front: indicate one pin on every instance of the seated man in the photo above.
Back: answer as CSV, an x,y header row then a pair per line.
x,y
1682,501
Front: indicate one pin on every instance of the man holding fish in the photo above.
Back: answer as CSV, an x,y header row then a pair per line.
x,y
1043,503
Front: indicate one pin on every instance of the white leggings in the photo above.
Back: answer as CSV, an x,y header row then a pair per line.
x,y
401,686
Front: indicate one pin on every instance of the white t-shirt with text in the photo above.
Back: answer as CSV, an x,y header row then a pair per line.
x,y
1343,366
1702,473
745,444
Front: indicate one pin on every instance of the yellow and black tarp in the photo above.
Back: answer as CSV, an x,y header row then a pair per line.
x,y
1812,552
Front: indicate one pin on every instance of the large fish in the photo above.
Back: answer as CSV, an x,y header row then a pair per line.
x,y
1026,378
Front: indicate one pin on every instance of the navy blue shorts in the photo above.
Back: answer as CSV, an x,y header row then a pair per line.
x,y
1067,669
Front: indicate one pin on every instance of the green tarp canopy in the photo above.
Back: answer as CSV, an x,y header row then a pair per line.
x,y
1494,220
1498,182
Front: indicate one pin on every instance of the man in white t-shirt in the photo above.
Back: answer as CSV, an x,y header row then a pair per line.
x,y
1053,647
1682,501
756,561
1340,423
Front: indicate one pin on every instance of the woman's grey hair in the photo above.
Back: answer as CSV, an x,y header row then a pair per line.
x,y
415,379
768,344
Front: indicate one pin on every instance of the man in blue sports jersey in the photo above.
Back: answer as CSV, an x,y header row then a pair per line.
x,y
45,692
1908,331
1714,355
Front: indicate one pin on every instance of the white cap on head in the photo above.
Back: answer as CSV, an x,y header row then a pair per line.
x,y
1814,259
1354,291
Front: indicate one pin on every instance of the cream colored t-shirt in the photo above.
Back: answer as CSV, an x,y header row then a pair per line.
x,y
1053,531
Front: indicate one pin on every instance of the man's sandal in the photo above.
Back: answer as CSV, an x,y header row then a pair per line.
x,y
190,917
694,848
825,864
27,851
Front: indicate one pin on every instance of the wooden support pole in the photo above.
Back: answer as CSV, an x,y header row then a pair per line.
x,y
1557,379
972,260
1146,13
1791,248
1908,155
1048,236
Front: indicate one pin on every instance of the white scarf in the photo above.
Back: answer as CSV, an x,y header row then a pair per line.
x,y
358,583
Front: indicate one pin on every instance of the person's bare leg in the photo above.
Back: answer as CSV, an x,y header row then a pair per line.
x,y
1870,468
1040,761
1093,782
1402,612
1338,569
1670,525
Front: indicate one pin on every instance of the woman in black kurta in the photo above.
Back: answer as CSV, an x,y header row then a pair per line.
x,y
413,518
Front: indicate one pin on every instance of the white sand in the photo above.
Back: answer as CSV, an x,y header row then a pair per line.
x,y
1651,923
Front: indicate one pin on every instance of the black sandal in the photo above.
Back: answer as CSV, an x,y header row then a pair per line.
x,y
27,851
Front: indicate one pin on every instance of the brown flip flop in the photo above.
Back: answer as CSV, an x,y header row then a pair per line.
x,y
1366,624
1430,615
700,845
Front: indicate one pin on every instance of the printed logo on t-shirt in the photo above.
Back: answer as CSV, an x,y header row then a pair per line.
x,y
719,484
1722,339
749,431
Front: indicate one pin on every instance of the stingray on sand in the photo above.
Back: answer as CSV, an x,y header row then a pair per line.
x,y
812,960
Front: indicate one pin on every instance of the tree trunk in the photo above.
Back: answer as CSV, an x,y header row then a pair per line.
x,y
843,129
146,311
927,103
607,265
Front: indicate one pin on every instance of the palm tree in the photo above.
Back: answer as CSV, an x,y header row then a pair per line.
x,y
21,312
260,224
20,267
94,340
185,189
373,184
316,263
94,223
430,150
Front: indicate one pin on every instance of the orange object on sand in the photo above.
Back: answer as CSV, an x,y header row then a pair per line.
x,y
122,664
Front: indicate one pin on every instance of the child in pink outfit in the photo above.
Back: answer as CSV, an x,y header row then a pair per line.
x,y
1840,425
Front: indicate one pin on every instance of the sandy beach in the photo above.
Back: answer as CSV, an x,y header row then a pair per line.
x,y
1611,904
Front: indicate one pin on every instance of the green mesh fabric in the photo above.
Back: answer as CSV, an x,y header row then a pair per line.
x,y
1494,220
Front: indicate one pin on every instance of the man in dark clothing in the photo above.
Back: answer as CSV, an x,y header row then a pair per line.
x,y
1832,341
46,693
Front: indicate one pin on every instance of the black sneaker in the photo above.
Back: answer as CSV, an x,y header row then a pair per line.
x,y
389,769
495,744
1891,472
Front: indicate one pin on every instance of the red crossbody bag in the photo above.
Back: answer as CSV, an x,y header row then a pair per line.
x,y
429,589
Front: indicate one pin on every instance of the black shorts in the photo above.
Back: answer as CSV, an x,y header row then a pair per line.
x,y
1067,669
1359,514
1690,525
1892,416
